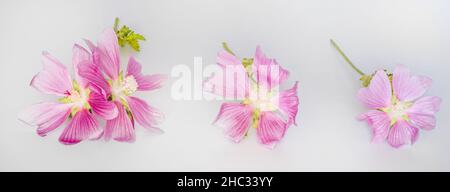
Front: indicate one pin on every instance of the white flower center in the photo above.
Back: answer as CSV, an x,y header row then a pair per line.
x,y
78,97
124,87
262,99
397,110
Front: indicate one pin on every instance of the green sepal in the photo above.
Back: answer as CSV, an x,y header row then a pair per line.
x,y
255,118
64,100
365,80
247,62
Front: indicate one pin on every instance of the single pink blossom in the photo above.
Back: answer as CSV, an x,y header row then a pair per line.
x,y
397,106
78,102
260,105
119,86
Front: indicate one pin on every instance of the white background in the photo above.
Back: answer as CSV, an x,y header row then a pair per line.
x,y
375,34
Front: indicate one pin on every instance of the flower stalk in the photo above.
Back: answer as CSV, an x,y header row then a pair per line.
x,y
365,79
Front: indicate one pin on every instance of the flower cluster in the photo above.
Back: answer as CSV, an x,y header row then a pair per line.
x,y
100,89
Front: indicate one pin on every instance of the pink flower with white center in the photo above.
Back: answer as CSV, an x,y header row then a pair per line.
x,y
397,105
78,102
260,105
119,86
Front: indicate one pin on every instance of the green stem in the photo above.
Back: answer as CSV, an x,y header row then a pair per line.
x,y
116,24
250,75
346,58
225,46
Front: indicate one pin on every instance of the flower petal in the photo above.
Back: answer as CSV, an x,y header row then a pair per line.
x,y
288,103
231,83
144,114
109,53
421,114
79,56
90,45
120,128
105,63
46,116
53,79
82,126
402,133
92,74
268,72
224,58
133,68
150,82
428,105
235,118
422,121
407,87
271,129
101,106
145,82
379,122
378,94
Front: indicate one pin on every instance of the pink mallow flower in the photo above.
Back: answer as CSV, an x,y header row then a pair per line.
x,y
119,87
260,104
398,109
78,102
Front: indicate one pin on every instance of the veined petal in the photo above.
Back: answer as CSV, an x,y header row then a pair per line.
x,y
144,114
90,45
101,106
408,87
260,58
92,74
82,126
109,53
402,133
271,129
120,128
230,83
289,103
79,56
46,116
102,60
421,114
378,94
268,72
150,82
235,118
145,82
53,79
379,122
422,121
224,58
133,68
428,105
